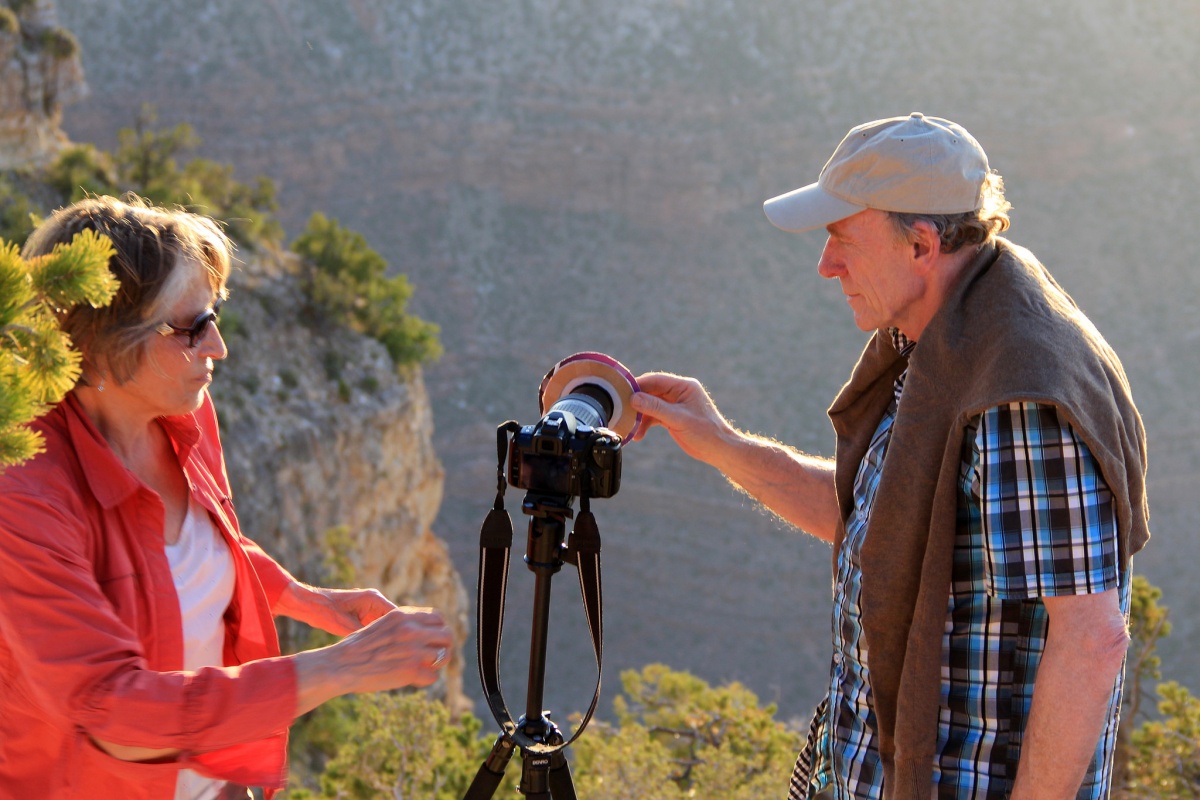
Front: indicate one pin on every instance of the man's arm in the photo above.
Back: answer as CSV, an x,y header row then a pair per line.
x,y
1050,532
1085,647
799,488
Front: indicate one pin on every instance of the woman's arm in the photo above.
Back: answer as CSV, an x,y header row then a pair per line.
x,y
336,611
404,647
87,667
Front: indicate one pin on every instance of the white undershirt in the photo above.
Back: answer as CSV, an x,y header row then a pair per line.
x,y
202,569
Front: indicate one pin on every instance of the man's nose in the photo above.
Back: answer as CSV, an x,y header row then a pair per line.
x,y
830,266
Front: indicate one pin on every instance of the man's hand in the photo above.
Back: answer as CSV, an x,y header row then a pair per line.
x,y
684,408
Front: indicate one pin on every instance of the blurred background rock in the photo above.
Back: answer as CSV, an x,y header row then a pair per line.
x,y
570,175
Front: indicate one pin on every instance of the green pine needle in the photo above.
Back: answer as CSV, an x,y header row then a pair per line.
x,y
16,290
76,273
18,445
17,408
53,366
38,365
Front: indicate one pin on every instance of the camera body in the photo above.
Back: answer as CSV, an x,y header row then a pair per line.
x,y
562,456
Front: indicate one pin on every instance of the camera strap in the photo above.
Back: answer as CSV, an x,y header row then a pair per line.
x,y
495,544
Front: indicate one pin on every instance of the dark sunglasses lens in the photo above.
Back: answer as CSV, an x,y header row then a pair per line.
x,y
200,326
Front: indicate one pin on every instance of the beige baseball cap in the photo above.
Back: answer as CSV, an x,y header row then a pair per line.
x,y
914,164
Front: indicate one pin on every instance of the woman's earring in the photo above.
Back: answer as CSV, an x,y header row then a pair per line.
x,y
100,386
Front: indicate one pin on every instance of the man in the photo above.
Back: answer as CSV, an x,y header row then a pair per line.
x,y
987,493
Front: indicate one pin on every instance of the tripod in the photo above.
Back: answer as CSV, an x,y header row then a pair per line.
x,y
545,773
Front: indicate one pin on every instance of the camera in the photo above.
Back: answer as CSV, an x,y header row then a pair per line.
x,y
569,452
574,450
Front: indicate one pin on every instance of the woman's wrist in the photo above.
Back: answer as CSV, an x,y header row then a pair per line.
x,y
319,678
296,601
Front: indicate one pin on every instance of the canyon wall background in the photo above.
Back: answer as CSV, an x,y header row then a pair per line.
x,y
556,176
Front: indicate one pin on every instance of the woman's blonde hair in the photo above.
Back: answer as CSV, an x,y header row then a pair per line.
x,y
153,248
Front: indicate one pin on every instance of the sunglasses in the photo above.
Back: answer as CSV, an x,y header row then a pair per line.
x,y
195,332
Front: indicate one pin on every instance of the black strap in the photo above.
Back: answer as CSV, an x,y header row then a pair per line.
x,y
584,549
495,542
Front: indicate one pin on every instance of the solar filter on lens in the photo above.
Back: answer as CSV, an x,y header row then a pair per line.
x,y
595,388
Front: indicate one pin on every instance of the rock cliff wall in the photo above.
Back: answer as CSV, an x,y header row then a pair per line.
x,y
321,433
40,71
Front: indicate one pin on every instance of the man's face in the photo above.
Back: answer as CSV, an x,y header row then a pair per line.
x,y
874,265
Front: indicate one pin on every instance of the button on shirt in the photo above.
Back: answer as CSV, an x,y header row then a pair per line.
x,y
1035,519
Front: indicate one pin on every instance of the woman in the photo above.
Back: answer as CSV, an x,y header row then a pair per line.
x,y
138,656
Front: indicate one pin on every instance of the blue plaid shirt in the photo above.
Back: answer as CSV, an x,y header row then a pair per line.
x,y
1035,519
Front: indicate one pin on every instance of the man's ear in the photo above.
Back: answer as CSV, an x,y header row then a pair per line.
x,y
926,244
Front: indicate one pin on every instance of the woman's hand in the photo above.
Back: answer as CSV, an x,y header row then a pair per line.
x,y
336,611
404,647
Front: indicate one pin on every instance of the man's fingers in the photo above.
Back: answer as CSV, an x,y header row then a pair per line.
x,y
662,384
644,425
645,402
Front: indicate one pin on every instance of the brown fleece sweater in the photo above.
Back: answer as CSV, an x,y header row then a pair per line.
x,y
1007,332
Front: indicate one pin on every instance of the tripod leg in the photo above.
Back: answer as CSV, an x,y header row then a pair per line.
x,y
561,786
491,772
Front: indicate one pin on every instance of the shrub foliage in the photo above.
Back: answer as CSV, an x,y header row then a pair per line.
x,y
674,736
37,363
1160,760
146,163
345,279
348,282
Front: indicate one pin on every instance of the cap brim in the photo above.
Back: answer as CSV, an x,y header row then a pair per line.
x,y
807,208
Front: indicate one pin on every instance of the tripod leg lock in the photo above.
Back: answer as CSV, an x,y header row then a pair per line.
x,y
491,772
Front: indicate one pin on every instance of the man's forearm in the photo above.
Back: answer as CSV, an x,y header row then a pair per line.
x,y
798,487
1074,685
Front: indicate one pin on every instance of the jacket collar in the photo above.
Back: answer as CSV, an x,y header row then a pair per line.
x,y
107,476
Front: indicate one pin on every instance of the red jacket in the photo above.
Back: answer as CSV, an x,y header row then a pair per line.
x,y
90,634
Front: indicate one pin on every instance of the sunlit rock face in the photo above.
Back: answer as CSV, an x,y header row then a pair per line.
x,y
322,433
39,72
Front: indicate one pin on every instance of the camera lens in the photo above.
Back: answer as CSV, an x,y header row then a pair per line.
x,y
590,404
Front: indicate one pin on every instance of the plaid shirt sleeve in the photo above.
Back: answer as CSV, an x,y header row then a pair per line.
x,y
1047,515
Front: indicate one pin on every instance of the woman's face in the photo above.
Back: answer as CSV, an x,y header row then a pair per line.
x,y
172,375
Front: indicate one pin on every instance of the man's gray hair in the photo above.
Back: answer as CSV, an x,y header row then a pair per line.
x,y
968,229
